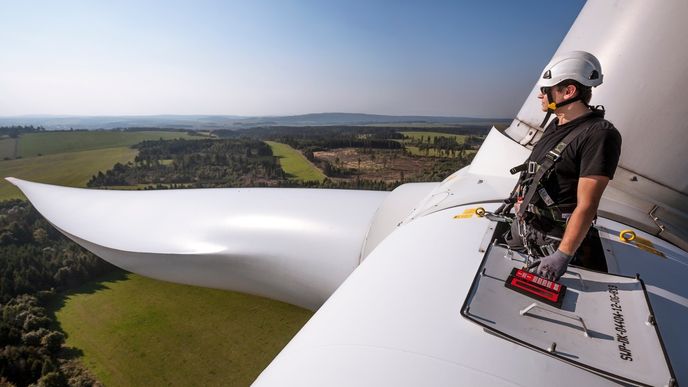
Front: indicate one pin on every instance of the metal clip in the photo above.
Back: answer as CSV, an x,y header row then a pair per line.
x,y
532,167
553,155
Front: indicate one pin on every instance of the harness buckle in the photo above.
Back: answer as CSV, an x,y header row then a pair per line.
x,y
552,155
532,167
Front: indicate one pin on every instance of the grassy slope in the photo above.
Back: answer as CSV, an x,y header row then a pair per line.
x,y
70,169
140,331
7,146
295,163
47,143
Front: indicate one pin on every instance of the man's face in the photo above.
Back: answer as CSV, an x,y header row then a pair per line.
x,y
543,96
559,95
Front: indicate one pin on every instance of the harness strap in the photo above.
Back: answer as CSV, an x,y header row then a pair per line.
x,y
529,166
547,164
557,213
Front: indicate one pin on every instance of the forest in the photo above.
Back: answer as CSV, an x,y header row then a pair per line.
x,y
16,131
37,262
195,163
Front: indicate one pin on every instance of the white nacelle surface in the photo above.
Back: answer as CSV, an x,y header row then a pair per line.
x,y
397,321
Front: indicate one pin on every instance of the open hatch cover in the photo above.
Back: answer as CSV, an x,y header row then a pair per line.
x,y
605,324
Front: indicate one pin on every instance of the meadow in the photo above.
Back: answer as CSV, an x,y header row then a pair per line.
x,y
295,163
72,169
7,147
47,143
68,158
137,331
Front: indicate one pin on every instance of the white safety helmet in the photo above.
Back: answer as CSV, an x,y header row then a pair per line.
x,y
579,66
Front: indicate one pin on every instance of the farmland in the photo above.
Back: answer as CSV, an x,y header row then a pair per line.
x,y
71,169
47,143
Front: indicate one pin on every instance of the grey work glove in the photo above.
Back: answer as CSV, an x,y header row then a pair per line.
x,y
553,266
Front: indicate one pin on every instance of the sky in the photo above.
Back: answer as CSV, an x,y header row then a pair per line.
x,y
280,57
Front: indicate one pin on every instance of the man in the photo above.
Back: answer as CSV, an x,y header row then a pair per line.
x,y
563,179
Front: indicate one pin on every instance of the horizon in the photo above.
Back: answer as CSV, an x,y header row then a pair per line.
x,y
239,116
207,121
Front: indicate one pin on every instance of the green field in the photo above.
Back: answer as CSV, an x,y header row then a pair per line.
x,y
138,331
295,163
70,169
7,147
47,143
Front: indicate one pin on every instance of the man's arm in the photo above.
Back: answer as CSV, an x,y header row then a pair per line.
x,y
590,189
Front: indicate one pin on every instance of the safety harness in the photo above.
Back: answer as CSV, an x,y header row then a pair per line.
x,y
532,173
539,224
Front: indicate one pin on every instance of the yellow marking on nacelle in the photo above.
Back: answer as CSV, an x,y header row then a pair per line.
x,y
629,236
468,213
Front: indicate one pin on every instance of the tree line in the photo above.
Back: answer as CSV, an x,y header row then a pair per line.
x,y
36,262
445,145
16,131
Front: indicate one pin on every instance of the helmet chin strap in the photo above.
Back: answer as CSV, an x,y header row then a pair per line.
x,y
554,106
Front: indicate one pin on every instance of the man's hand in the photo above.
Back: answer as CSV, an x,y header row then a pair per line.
x,y
553,266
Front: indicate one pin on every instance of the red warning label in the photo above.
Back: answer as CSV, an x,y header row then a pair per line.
x,y
536,287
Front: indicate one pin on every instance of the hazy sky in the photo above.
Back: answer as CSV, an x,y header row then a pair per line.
x,y
458,58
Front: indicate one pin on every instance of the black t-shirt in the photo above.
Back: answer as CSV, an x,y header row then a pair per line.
x,y
594,152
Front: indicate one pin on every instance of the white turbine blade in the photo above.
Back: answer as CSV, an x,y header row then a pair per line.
x,y
294,245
